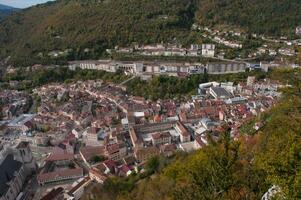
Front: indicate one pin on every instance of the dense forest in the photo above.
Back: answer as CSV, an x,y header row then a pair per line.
x,y
271,17
86,28
6,10
94,25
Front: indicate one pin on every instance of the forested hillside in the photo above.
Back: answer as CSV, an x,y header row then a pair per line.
x,y
93,24
272,17
85,28
6,10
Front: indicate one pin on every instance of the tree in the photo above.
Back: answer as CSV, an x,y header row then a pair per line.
x,y
152,165
97,158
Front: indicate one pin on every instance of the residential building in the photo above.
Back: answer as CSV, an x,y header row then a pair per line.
x,y
144,154
124,171
136,141
116,151
161,138
168,149
97,176
208,50
199,142
287,51
251,80
184,133
225,67
88,152
92,137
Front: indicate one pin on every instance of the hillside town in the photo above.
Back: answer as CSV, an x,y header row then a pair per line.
x,y
62,139
75,135
223,52
150,100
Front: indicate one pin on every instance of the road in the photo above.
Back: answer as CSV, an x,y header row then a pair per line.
x,y
124,82
237,61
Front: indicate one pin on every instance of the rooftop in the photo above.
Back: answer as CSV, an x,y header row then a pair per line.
x,y
53,194
220,92
7,171
21,120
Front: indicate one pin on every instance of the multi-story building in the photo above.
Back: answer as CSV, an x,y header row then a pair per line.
x,y
161,138
91,138
171,68
143,154
107,65
208,50
116,151
59,167
184,133
136,140
16,164
224,68
251,80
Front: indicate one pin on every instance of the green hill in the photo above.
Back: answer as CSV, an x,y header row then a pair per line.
x,y
93,24
272,17
6,10
88,27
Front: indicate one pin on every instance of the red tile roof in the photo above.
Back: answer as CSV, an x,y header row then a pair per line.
x,y
110,164
59,156
157,136
184,132
125,169
100,175
112,148
60,174
198,139
168,147
79,185
88,152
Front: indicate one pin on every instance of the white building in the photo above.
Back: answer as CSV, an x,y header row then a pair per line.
x,y
208,50
251,80
219,93
298,30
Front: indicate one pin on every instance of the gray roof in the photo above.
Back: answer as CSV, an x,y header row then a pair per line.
x,y
221,92
7,170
